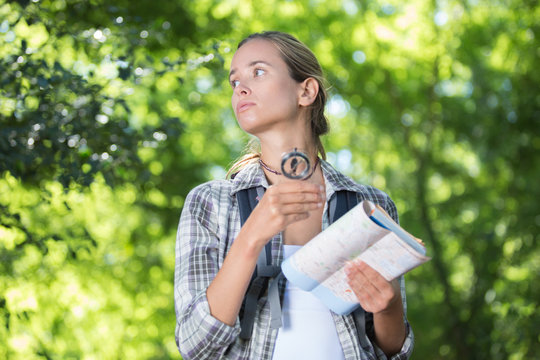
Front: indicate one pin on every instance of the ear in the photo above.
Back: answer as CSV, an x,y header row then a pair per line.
x,y
309,89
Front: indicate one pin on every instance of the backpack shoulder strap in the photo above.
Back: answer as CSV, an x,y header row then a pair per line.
x,y
264,270
342,202
247,200
338,206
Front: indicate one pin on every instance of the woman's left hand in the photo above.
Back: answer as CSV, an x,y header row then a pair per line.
x,y
374,292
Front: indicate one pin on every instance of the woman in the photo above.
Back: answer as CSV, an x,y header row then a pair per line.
x,y
278,96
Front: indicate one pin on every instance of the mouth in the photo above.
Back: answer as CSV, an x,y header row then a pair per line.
x,y
243,106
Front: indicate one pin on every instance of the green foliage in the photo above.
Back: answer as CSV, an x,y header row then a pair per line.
x,y
110,112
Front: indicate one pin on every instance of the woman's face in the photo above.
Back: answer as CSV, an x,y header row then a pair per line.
x,y
264,95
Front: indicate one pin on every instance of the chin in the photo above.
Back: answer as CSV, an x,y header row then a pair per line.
x,y
251,129
253,125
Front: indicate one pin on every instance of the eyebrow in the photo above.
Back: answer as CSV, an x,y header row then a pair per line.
x,y
251,64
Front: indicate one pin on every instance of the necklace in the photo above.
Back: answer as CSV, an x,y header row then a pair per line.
x,y
278,173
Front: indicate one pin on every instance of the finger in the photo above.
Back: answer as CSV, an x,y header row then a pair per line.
x,y
289,209
305,197
291,203
375,277
361,281
366,300
360,288
298,186
372,289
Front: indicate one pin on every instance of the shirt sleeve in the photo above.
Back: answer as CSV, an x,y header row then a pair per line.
x,y
198,334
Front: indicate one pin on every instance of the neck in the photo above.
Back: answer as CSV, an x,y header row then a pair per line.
x,y
273,150
283,137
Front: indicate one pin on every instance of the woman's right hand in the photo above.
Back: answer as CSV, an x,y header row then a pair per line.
x,y
282,205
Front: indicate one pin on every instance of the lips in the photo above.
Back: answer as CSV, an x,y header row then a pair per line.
x,y
243,106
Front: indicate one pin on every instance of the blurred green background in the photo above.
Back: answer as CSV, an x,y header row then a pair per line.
x,y
111,111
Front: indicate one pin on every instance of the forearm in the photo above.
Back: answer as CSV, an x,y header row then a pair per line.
x,y
280,206
390,330
227,290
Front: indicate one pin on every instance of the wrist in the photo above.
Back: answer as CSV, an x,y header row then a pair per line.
x,y
250,246
395,307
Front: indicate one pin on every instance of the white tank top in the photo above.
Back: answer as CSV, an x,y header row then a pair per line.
x,y
308,330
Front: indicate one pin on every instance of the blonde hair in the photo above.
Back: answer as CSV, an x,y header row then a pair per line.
x,y
302,64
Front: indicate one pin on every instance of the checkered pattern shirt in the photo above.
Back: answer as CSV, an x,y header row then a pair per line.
x,y
209,223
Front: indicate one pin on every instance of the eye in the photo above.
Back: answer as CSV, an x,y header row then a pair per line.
x,y
234,83
259,72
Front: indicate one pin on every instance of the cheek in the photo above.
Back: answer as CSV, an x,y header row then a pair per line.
x,y
283,94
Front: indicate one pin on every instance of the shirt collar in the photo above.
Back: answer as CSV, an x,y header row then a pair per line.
x,y
250,176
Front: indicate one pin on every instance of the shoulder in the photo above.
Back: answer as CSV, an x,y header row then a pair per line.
x,y
208,197
381,198
222,192
374,194
210,188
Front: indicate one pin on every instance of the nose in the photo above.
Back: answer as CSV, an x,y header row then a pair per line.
x,y
242,89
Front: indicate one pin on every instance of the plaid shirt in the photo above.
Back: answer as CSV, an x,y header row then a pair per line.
x,y
209,223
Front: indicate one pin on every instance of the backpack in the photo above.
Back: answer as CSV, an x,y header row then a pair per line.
x,y
247,199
